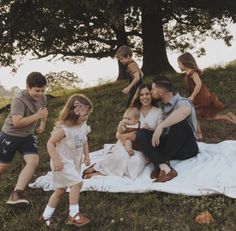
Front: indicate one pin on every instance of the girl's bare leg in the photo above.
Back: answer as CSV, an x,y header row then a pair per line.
x,y
199,131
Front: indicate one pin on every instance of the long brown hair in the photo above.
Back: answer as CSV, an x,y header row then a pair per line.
x,y
188,61
67,114
136,101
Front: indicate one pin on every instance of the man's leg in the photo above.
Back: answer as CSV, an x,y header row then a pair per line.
x,y
143,140
180,142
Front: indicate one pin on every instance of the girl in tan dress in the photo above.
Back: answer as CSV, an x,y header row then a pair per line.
x,y
206,103
68,147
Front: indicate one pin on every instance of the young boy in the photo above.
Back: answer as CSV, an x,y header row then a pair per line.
x,y
17,133
134,74
129,123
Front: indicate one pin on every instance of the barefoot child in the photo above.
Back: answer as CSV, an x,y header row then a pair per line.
x,y
67,147
17,133
134,74
206,103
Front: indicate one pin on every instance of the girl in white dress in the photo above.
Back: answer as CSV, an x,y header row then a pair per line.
x,y
68,147
118,162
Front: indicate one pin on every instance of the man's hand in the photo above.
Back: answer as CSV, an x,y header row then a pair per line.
x,y
156,136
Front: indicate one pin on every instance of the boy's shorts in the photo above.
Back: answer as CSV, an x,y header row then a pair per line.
x,y
9,145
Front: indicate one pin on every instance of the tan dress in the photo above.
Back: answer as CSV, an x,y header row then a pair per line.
x,y
71,151
206,103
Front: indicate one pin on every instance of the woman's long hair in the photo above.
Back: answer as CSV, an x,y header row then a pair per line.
x,y
67,114
136,100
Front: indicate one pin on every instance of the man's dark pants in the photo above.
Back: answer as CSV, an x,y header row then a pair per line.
x,y
179,143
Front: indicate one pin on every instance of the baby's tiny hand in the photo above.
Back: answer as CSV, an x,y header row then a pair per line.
x,y
145,126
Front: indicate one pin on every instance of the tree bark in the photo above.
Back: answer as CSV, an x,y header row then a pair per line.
x,y
121,40
155,59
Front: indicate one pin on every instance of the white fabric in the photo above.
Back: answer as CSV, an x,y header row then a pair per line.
x,y
213,170
119,162
71,150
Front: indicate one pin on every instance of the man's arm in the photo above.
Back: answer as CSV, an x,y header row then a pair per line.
x,y
175,117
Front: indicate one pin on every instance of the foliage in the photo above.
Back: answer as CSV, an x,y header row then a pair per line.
x,y
61,80
125,211
81,29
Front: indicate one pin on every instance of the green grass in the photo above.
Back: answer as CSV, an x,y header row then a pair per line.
x,y
120,211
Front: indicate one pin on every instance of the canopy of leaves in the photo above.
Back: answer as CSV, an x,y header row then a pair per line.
x,y
80,29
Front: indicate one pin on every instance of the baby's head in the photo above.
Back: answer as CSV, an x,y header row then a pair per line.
x,y
76,110
131,116
124,54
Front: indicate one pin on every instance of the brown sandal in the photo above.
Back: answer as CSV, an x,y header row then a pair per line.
x,y
88,171
78,220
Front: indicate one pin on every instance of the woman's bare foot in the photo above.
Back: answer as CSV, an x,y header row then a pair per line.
x,y
199,136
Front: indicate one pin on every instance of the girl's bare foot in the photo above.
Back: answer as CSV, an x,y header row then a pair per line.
x,y
231,117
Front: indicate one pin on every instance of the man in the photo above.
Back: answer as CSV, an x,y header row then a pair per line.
x,y
174,137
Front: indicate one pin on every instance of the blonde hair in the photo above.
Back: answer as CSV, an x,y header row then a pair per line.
x,y
124,52
67,114
188,61
133,111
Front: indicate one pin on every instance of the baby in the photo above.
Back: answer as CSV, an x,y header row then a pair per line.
x,y
129,123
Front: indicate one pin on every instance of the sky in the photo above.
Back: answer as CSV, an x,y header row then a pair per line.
x,y
93,71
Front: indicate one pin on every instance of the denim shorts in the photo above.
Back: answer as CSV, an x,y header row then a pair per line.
x,y
9,145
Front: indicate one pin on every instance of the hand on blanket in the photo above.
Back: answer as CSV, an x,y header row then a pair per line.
x,y
57,165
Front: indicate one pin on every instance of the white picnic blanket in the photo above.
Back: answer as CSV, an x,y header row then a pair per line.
x,y
213,170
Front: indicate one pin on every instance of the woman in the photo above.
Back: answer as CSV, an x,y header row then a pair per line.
x,y
119,162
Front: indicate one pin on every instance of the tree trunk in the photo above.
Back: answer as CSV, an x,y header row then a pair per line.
x,y
155,59
121,40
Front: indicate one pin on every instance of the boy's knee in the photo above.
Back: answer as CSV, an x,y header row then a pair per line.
x,y
33,161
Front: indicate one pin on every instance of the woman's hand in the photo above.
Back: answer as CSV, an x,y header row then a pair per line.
x,y
190,98
57,165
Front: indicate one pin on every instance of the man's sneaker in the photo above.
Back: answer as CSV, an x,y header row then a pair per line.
x,y
78,220
17,197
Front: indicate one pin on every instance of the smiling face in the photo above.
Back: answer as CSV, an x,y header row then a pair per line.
x,y
145,97
35,92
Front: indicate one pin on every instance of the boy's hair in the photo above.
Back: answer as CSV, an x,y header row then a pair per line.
x,y
124,52
67,114
36,79
163,82
133,111
188,60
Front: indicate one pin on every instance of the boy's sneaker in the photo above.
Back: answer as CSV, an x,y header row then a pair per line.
x,y
17,197
78,220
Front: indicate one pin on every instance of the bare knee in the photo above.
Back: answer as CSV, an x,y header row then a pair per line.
x,y
32,161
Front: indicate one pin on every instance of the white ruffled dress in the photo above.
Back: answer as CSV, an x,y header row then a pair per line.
x,y
71,151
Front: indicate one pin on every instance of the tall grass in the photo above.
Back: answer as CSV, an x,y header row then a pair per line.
x,y
120,211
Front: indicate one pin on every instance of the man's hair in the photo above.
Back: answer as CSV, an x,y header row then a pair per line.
x,y
36,79
163,82
124,52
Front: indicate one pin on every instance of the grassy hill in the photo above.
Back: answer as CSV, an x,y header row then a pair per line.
x,y
120,211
